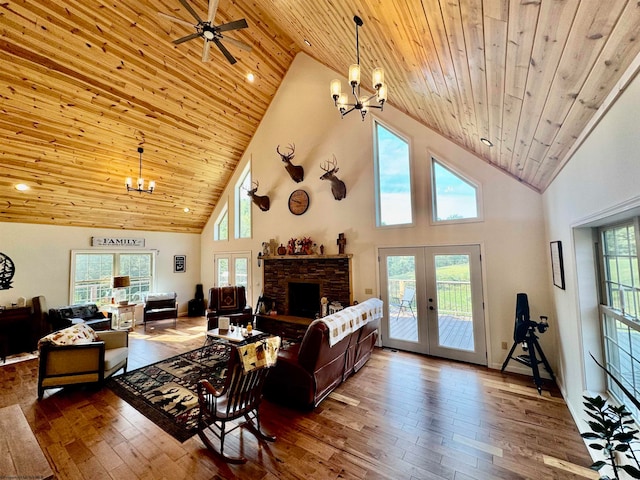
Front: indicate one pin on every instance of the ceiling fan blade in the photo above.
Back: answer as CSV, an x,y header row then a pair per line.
x,y
177,20
191,10
224,51
205,51
213,8
235,25
238,43
185,39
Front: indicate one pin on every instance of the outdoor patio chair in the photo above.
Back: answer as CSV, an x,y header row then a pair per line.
x,y
407,301
239,397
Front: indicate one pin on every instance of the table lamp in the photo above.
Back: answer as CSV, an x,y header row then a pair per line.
x,y
119,286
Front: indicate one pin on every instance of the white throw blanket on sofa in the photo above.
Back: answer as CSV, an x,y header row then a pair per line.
x,y
350,319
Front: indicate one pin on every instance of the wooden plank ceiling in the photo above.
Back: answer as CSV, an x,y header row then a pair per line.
x,y
83,83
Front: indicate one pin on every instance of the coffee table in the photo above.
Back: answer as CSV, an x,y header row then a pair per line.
x,y
234,335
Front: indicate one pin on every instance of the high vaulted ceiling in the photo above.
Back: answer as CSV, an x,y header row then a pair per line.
x,y
83,83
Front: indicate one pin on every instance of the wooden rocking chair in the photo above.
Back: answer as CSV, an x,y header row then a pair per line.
x,y
239,397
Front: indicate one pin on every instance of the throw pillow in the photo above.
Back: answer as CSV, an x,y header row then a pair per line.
x,y
73,335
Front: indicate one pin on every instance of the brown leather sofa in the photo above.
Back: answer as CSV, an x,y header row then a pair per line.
x,y
308,371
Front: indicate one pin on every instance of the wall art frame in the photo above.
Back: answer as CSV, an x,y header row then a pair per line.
x,y
557,264
179,263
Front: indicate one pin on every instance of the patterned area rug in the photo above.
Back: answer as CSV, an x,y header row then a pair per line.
x,y
166,392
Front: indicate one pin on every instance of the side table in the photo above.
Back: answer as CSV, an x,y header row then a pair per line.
x,y
122,316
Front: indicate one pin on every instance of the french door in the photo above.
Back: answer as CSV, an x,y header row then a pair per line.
x,y
433,301
233,269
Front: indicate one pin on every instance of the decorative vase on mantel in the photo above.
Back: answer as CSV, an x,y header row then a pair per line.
x,y
282,250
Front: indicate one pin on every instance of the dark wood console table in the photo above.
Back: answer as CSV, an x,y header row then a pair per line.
x,y
286,326
17,332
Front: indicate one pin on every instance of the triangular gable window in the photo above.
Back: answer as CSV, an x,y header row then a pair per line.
x,y
455,198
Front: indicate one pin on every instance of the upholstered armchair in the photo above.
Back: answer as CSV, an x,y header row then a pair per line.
x,y
160,306
229,302
79,355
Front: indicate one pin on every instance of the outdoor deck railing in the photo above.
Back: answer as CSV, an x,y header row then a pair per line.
x,y
454,297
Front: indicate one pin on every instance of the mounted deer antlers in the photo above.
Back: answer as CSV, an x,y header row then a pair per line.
x,y
296,172
338,188
262,201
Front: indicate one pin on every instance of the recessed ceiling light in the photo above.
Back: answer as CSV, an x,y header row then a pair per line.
x,y
186,210
22,187
487,142
307,42
251,77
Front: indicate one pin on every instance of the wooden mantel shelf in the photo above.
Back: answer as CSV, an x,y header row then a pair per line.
x,y
306,257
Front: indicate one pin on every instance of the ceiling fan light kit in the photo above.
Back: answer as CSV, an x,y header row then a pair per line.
x,y
360,102
209,32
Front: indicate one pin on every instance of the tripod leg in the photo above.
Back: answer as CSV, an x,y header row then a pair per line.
x,y
534,363
544,360
504,365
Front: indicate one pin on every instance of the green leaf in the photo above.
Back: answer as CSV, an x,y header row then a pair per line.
x,y
622,447
596,446
590,436
631,470
624,437
597,465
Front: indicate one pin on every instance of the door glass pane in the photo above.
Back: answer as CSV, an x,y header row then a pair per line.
x,y
223,272
401,282
455,315
241,271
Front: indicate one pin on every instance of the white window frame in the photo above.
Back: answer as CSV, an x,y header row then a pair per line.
x,y
232,257
434,202
224,215
376,174
618,323
115,253
241,195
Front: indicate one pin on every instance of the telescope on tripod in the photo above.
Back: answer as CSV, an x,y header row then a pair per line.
x,y
524,333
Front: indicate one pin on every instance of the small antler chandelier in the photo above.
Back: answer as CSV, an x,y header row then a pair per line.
x,y
341,100
140,185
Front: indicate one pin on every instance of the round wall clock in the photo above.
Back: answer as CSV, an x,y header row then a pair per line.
x,y
298,202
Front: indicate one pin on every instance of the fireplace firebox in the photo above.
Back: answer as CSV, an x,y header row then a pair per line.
x,y
304,299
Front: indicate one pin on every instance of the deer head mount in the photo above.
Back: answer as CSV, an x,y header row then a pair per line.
x,y
262,201
338,188
296,172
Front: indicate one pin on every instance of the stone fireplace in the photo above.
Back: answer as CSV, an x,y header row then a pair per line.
x,y
297,283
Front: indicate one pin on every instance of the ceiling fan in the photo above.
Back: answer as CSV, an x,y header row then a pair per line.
x,y
209,32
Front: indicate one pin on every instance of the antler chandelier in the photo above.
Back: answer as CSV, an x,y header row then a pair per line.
x,y
140,185
341,100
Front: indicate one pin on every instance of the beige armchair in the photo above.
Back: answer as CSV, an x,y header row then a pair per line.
x,y
76,363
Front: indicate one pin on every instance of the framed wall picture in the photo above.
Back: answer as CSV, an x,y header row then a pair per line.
x,y
179,263
557,265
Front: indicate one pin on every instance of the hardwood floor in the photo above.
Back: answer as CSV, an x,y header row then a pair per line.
x,y
403,416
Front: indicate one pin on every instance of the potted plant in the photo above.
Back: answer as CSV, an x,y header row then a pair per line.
x,y
614,433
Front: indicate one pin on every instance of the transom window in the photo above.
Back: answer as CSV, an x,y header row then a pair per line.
x,y
454,197
243,205
92,273
221,227
620,308
393,178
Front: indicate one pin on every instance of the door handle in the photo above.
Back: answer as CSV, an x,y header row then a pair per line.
x,y
430,307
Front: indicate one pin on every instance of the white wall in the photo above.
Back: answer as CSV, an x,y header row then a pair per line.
x,y
42,257
514,248
600,181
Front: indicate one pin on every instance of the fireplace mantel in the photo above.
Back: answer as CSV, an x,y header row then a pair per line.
x,y
306,257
